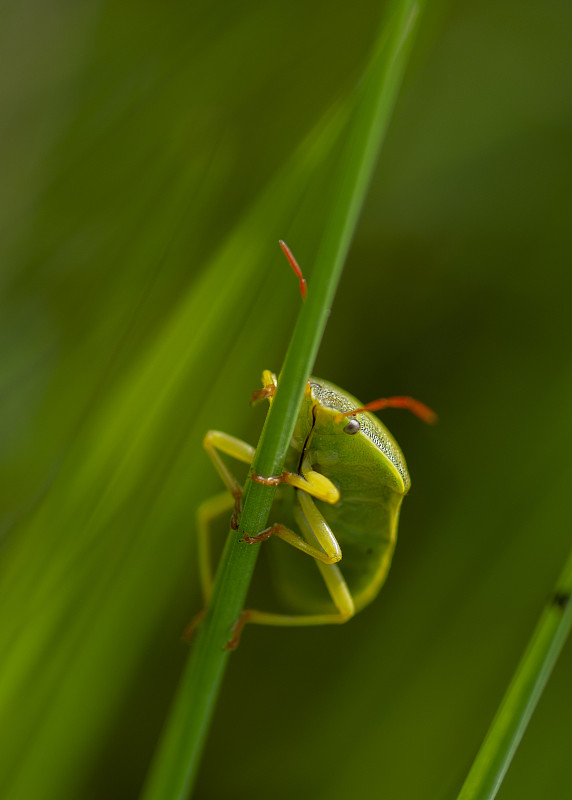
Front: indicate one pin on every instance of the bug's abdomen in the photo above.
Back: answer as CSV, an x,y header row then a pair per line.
x,y
367,534
366,531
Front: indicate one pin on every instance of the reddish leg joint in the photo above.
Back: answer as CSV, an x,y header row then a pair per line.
x,y
262,394
271,481
237,510
193,625
237,631
260,537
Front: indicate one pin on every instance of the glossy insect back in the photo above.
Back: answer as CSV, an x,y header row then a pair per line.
x,y
362,459
332,398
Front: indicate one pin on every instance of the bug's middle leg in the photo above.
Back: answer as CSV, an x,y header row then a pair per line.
x,y
315,526
312,522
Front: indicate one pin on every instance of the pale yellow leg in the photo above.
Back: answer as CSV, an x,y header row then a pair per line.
x,y
313,523
208,511
310,483
217,440
291,537
313,483
310,519
340,595
269,379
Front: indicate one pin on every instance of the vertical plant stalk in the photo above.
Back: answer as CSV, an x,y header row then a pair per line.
x,y
177,758
524,691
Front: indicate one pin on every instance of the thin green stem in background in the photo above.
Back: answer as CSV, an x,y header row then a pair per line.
x,y
514,713
175,767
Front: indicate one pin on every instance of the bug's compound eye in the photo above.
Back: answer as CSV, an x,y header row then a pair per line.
x,y
353,426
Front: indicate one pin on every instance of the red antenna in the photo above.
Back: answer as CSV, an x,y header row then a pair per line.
x,y
295,267
415,406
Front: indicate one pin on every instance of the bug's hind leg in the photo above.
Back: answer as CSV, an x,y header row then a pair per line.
x,y
338,590
314,527
207,512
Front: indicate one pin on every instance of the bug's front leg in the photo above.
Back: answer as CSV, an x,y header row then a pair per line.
x,y
216,441
310,481
269,384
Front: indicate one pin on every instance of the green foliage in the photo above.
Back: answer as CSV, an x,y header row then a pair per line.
x,y
175,766
153,157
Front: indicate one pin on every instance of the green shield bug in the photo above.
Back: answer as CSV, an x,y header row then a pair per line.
x,y
338,502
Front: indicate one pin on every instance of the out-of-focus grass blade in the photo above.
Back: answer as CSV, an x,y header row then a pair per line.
x,y
507,728
74,567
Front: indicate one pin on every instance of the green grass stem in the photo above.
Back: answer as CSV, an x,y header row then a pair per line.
x,y
175,766
524,691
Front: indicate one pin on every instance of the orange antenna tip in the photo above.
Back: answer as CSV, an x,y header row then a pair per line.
x,y
415,406
294,264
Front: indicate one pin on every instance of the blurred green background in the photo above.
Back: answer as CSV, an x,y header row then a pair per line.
x,y
152,155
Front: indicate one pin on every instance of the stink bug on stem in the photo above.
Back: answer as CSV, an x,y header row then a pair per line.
x,y
338,501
